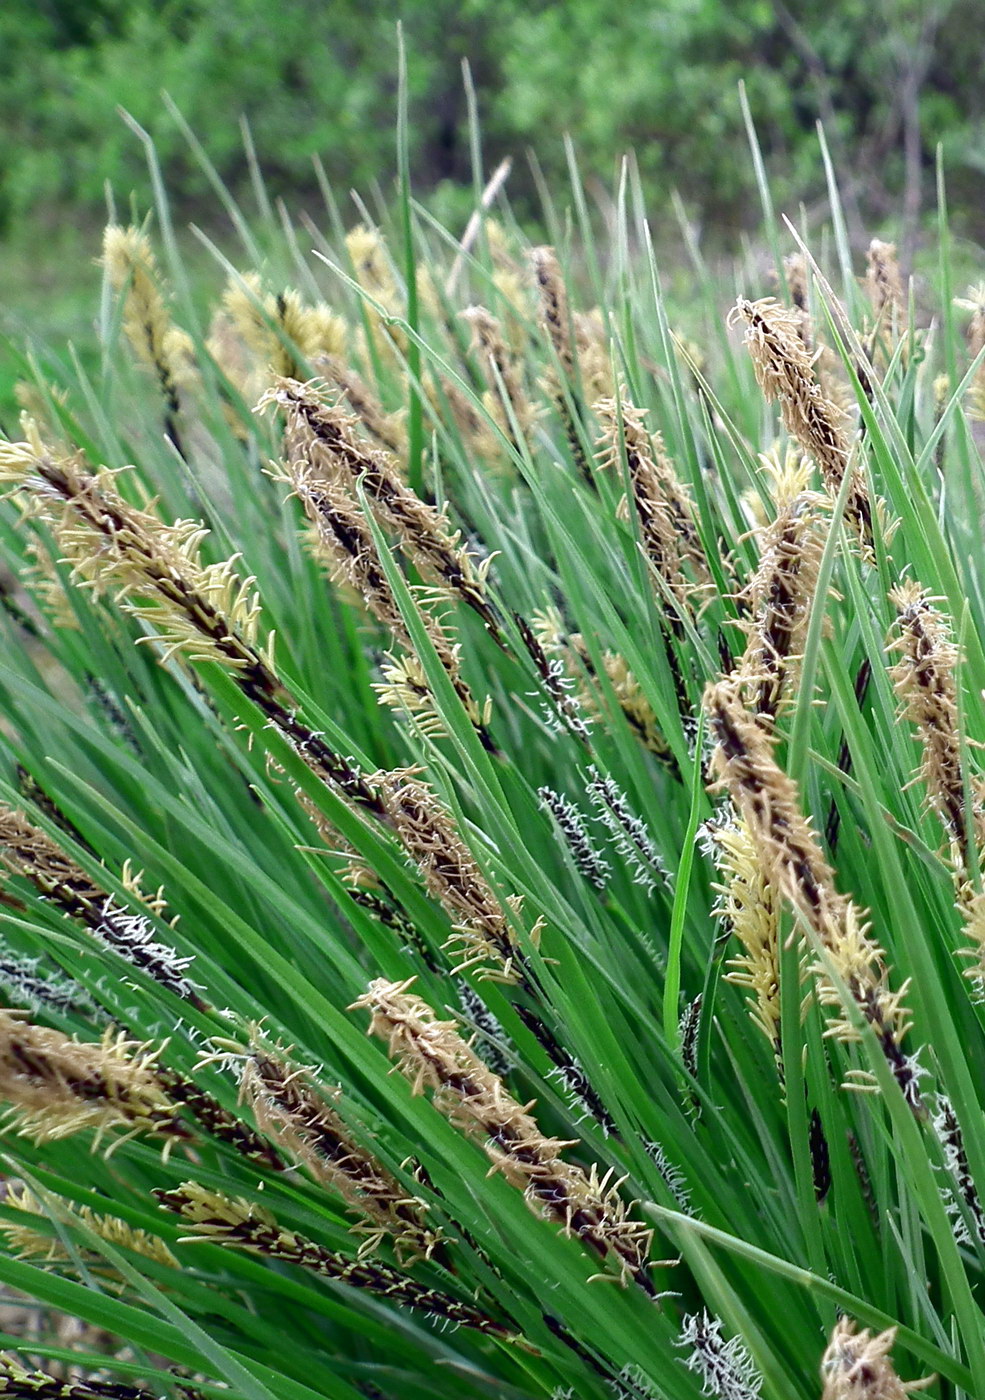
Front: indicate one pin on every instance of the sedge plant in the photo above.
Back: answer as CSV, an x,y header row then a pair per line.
x,y
492,821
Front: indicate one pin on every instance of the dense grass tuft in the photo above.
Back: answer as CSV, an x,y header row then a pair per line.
x,y
441,640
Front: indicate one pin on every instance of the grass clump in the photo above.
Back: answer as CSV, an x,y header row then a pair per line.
x,y
463,656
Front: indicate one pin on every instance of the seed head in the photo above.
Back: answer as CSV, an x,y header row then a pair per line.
x,y
785,371
293,1109
58,1086
432,1055
857,1366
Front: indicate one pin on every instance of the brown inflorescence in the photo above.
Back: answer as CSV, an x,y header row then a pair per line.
x,y
857,1366
785,371
241,1224
780,594
433,1055
785,843
58,1086
663,505
297,1113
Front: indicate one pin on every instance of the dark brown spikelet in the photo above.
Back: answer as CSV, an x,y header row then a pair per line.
x,y
502,372
662,502
884,284
321,436
28,851
217,1120
795,272
561,380
342,538
202,612
386,429
59,1086
785,371
925,680
433,1055
241,1224
555,315
780,593
295,1111
428,833
21,1384
792,860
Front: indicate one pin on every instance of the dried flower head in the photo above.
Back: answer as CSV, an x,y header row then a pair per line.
x,y
167,351
387,430
321,445
555,315
555,642
796,275
508,401
884,283
785,371
925,679
428,833
280,328
432,1054
857,1366
20,1384
204,611
749,907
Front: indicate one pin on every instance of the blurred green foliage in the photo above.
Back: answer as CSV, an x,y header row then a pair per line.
x,y
317,78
